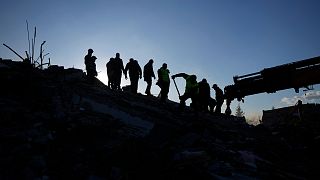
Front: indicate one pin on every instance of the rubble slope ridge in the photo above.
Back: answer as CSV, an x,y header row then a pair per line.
x,y
55,125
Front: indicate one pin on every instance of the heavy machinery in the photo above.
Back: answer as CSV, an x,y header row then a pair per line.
x,y
299,74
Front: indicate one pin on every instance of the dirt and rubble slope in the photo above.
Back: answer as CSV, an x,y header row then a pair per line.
x,y
55,125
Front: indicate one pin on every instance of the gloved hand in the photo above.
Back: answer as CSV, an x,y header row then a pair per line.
x,y
173,76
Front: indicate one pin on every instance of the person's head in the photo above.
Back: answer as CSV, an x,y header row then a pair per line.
x,y
117,55
164,65
193,77
214,86
151,61
131,60
90,51
204,80
111,59
94,58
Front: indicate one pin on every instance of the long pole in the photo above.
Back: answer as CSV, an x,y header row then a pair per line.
x,y
14,51
176,86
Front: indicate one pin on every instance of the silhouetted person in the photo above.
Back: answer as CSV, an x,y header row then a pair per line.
x,y
228,109
134,74
191,90
111,73
148,73
204,95
219,98
298,106
89,61
163,82
118,70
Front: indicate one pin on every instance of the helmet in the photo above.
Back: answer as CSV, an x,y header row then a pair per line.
x,y
193,77
164,65
90,51
204,80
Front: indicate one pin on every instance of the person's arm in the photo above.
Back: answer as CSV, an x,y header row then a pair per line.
x,y
144,71
152,74
121,64
140,71
125,71
184,75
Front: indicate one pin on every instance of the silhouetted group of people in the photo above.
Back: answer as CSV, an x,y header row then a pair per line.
x,y
114,72
198,92
89,61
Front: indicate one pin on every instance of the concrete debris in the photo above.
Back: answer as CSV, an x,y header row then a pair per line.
x,y
55,125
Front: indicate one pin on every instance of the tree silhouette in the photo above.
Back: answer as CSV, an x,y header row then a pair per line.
x,y
239,112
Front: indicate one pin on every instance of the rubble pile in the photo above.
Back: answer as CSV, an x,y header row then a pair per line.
x,y
55,125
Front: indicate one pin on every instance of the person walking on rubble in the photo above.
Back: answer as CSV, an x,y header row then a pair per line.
x,y
148,74
191,90
111,73
134,74
204,95
89,61
219,98
118,70
163,82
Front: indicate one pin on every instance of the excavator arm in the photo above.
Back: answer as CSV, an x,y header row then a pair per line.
x,y
299,74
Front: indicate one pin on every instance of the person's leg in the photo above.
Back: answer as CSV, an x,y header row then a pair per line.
x,y
218,108
212,104
133,84
149,82
109,81
113,83
183,99
136,80
164,91
195,102
90,76
118,80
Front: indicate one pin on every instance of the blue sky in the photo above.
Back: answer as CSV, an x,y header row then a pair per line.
x,y
214,39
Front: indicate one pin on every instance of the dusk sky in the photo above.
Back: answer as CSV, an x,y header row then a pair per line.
x,y
214,39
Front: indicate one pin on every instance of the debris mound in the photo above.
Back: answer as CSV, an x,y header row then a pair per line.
x,y
56,125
